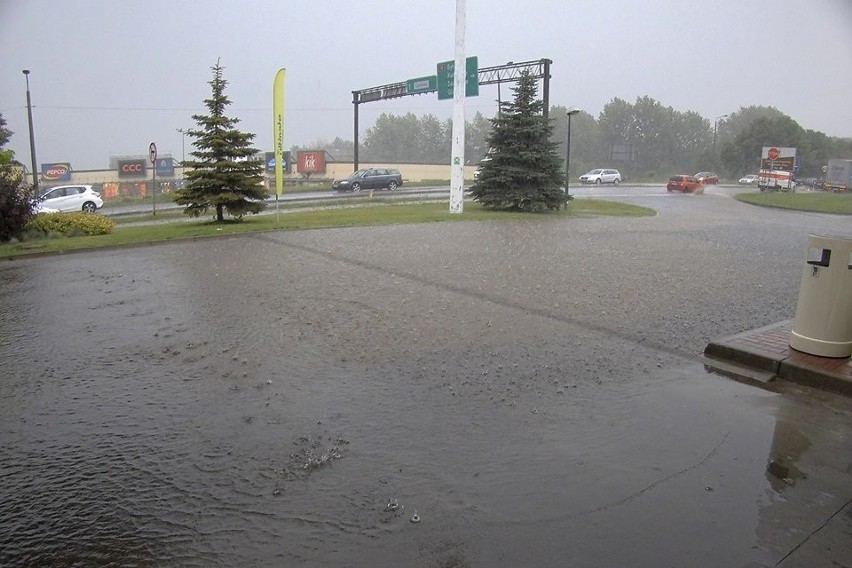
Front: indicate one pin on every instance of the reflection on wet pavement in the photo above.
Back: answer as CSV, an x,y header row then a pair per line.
x,y
245,402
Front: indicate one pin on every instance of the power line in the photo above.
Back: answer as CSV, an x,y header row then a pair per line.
x,y
346,108
197,109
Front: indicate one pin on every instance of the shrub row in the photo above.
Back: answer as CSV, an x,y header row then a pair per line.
x,y
70,224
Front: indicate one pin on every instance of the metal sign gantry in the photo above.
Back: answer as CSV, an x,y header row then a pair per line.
x,y
508,73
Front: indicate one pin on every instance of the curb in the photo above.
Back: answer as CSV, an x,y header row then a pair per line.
x,y
764,355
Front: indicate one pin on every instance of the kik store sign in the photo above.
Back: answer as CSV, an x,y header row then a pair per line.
x,y
310,162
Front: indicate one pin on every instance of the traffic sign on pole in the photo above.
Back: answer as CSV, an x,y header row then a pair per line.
x,y
446,69
421,85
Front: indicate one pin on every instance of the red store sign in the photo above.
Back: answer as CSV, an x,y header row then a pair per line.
x,y
310,162
131,168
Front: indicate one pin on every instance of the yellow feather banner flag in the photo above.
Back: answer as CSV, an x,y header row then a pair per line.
x,y
278,129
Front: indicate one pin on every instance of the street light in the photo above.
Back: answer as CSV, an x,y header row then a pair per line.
x,y
571,112
32,136
182,145
715,127
183,133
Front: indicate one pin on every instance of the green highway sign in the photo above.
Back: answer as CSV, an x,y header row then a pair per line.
x,y
421,85
446,81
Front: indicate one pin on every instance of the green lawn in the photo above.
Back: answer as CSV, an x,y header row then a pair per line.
x,y
167,226
817,201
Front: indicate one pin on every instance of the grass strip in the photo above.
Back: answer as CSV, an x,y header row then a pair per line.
x,y
817,201
371,213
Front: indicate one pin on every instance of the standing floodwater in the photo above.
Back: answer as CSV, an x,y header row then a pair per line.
x,y
530,390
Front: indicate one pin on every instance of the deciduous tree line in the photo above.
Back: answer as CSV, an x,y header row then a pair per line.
x,y
644,139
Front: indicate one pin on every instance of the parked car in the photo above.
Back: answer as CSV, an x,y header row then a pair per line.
x,y
750,179
70,198
601,175
811,183
482,162
685,184
708,178
369,178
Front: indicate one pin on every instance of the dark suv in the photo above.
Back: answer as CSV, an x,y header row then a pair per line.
x,y
370,178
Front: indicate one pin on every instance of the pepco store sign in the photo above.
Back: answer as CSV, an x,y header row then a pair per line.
x,y
311,162
56,172
131,168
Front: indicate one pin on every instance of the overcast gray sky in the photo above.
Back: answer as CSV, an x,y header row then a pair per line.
x,y
108,77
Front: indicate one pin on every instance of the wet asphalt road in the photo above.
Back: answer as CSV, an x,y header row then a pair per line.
x,y
532,390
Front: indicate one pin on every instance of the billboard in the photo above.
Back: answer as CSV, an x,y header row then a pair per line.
x,y
621,152
778,158
132,168
270,161
310,161
165,167
59,171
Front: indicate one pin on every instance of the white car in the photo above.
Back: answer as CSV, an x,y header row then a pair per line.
x,y
749,179
482,162
70,198
601,176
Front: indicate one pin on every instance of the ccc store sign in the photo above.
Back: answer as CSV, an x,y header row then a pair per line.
x,y
131,168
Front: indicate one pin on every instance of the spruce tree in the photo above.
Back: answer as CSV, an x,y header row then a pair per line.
x,y
225,174
524,171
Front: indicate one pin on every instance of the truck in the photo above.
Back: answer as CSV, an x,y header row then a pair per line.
x,y
777,165
838,175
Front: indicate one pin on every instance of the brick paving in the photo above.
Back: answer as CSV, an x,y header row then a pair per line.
x,y
768,349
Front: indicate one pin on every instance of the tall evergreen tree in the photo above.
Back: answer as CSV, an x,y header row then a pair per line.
x,y
524,172
226,173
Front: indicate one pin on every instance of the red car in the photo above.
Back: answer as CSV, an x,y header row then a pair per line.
x,y
707,177
685,183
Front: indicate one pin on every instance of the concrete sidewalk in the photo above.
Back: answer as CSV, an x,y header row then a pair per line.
x,y
764,355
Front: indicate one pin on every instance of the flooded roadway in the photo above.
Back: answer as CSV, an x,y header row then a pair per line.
x,y
531,390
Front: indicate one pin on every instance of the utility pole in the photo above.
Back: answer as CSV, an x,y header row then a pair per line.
x,y
571,112
32,136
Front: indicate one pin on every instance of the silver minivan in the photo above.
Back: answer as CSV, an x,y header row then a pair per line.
x,y
601,175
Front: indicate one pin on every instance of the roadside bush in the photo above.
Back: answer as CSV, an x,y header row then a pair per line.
x,y
69,224
15,205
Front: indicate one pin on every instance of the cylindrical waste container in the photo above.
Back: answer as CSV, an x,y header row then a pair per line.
x,y
823,324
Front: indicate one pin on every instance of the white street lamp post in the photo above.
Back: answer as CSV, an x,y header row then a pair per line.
x,y
182,144
715,128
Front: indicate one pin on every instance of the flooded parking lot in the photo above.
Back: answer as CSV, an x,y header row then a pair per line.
x,y
531,393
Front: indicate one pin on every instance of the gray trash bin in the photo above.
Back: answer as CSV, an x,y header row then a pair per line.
x,y
823,324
